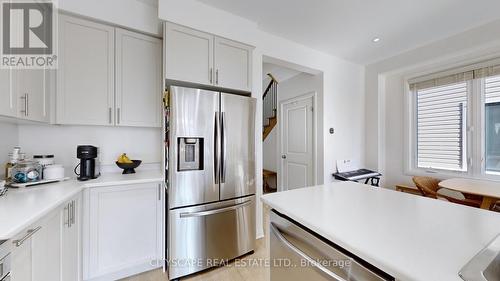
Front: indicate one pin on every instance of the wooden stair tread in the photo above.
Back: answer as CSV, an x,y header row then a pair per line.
x,y
268,128
267,173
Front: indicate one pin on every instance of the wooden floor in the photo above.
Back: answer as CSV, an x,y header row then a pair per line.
x,y
230,272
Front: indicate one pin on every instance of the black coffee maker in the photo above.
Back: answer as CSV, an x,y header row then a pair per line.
x,y
89,169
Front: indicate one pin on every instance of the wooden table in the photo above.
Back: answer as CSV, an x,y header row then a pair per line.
x,y
490,190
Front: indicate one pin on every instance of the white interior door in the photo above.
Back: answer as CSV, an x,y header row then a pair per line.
x,y
297,156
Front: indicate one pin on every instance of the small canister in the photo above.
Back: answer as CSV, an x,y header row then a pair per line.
x,y
53,172
45,161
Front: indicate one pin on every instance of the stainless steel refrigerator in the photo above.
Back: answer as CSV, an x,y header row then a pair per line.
x,y
211,179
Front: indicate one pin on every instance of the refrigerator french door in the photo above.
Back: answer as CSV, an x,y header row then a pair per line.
x,y
211,193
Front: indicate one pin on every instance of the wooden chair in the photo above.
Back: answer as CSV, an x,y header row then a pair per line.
x,y
496,207
430,186
409,189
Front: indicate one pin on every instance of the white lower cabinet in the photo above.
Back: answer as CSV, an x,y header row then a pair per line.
x,y
122,230
49,249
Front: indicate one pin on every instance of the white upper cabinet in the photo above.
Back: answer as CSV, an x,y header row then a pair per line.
x,y
188,54
233,62
85,78
202,58
138,79
32,91
8,102
25,94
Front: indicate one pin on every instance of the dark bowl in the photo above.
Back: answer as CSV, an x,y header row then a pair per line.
x,y
128,168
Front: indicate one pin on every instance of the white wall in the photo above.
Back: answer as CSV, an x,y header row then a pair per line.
x,y
8,139
343,80
133,14
385,127
139,143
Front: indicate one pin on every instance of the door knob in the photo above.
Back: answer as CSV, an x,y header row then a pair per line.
x,y
283,156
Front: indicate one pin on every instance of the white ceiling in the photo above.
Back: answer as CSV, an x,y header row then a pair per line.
x,y
279,72
345,28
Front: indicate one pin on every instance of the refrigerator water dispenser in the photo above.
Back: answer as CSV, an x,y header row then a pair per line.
x,y
190,154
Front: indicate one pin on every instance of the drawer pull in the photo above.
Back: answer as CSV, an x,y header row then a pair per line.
x,y
29,233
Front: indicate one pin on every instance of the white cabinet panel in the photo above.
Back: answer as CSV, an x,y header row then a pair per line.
x,y
124,228
85,78
21,261
46,250
50,248
189,54
32,90
138,79
8,102
233,62
70,241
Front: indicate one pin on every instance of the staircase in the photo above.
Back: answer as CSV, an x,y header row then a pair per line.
x,y
270,103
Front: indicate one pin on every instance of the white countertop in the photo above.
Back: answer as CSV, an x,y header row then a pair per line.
x,y
21,207
407,236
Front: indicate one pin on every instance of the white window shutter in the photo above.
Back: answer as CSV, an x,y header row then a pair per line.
x,y
441,115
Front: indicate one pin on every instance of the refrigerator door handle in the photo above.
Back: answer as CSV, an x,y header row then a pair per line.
x,y
303,255
223,145
216,149
214,211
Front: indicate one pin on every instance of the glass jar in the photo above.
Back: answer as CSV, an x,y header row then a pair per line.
x,y
26,171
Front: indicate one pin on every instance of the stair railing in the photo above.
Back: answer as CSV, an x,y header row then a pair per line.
x,y
270,100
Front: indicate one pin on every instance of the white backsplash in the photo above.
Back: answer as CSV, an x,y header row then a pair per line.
x,y
8,139
139,143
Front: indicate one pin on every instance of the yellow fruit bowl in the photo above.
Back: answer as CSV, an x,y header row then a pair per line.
x,y
129,168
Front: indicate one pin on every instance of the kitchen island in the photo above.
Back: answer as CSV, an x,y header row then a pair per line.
x,y
406,236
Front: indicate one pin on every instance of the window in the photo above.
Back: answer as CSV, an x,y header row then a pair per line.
x,y
492,124
456,122
441,127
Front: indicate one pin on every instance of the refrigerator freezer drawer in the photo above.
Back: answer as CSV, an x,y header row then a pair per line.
x,y
205,236
304,256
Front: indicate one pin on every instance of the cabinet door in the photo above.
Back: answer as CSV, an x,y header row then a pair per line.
x,y
31,86
9,103
21,261
85,78
138,79
189,54
233,62
46,250
124,227
70,264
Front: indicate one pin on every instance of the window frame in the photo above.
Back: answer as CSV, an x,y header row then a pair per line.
x,y
475,136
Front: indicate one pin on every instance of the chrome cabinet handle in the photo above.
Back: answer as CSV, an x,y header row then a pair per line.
x,y
303,255
159,192
66,216
110,113
214,211
217,77
283,156
210,74
72,204
29,233
27,104
25,98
